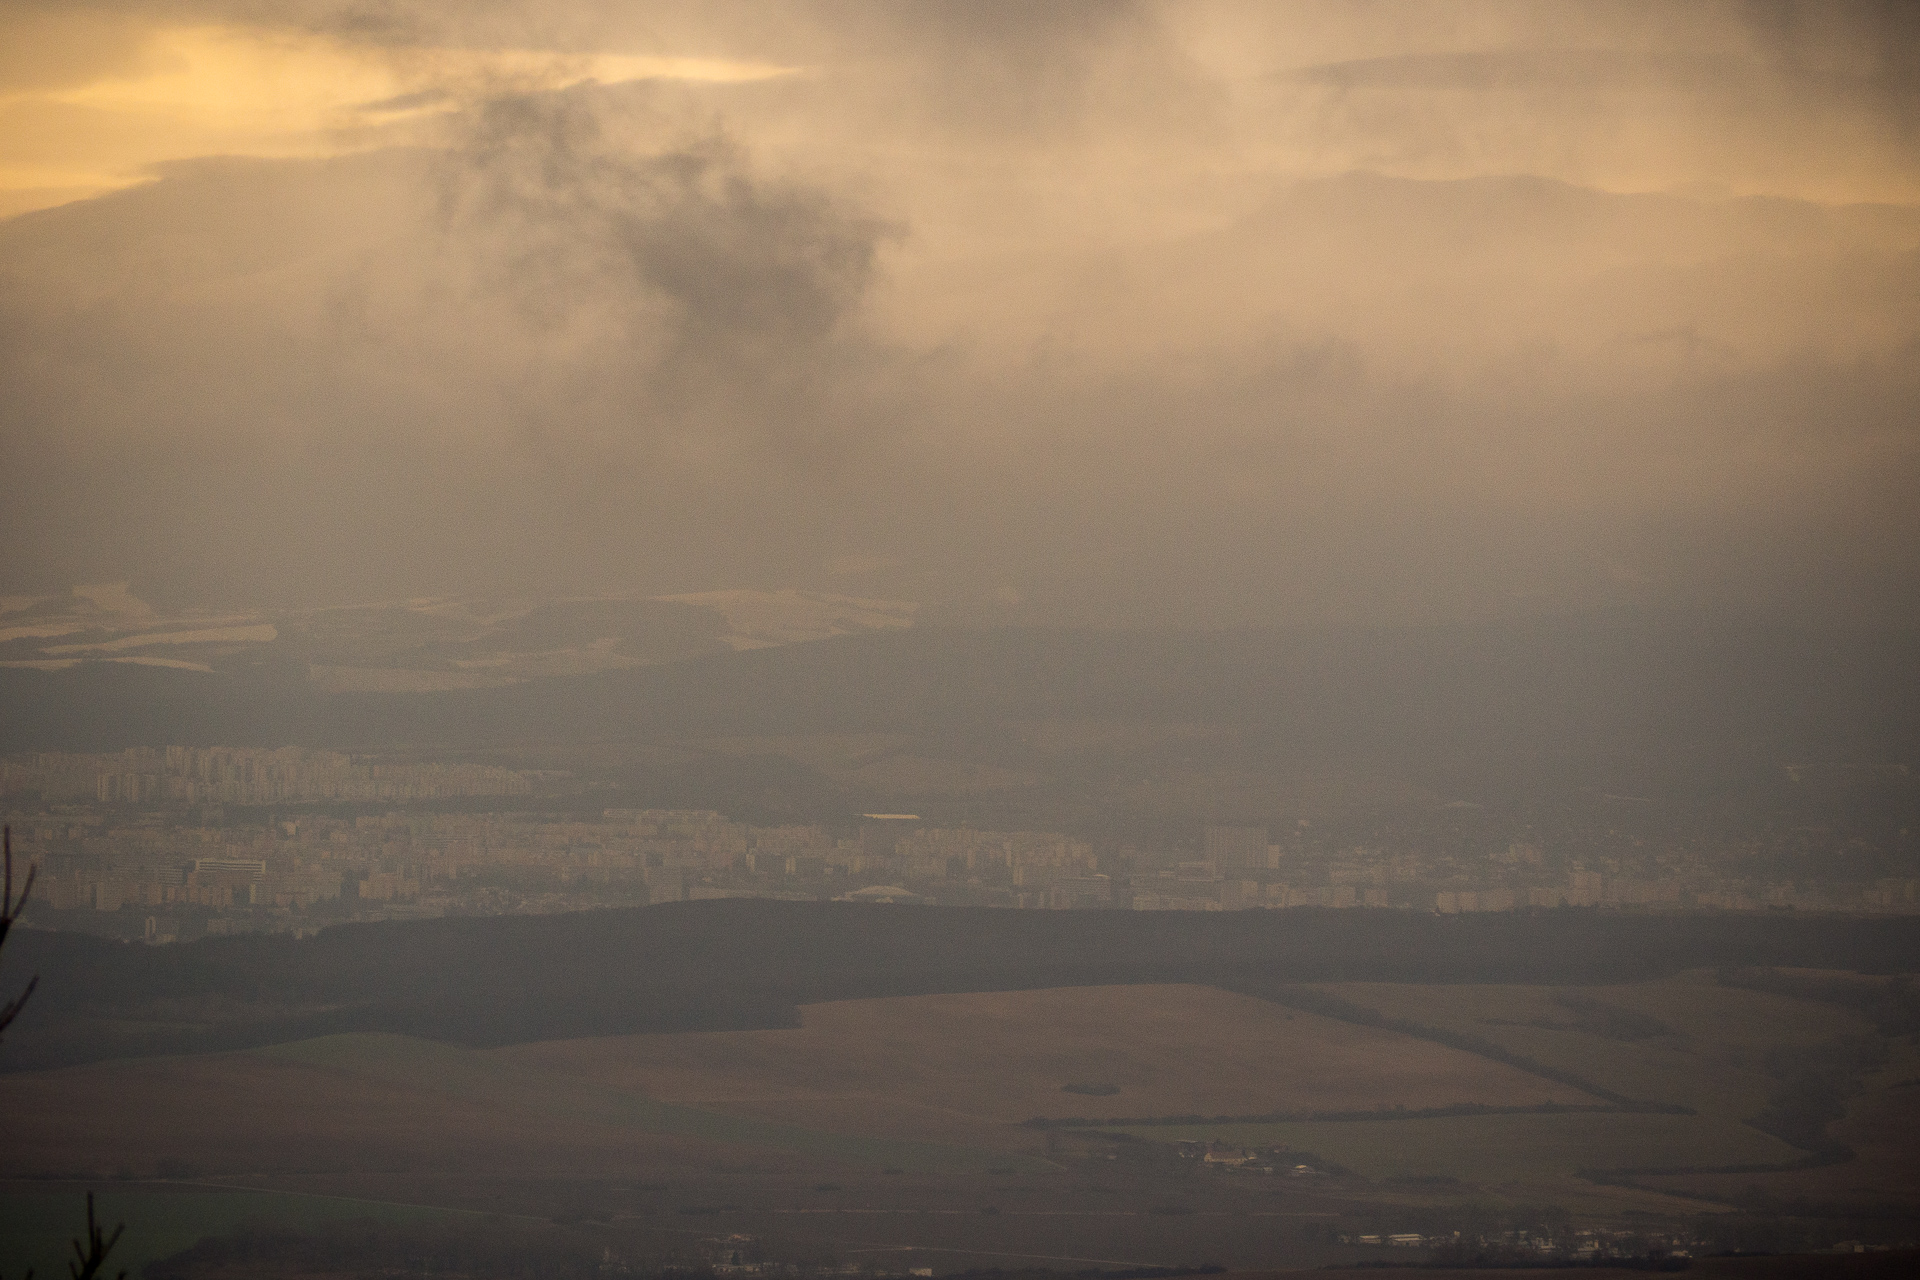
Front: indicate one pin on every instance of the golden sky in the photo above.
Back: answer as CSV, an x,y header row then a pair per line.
x,y
163,93
1622,96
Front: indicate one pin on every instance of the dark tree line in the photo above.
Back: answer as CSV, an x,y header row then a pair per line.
x,y
744,964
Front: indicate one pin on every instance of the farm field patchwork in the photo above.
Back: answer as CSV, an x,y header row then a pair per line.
x,y
980,1064
356,1101
936,1083
1685,1040
1881,1125
936,1087
1725,1052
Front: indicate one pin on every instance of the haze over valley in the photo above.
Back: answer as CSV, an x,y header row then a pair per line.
x,y
826,639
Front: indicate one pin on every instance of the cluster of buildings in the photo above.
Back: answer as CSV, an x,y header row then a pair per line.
x,y
1589,1245
179,871
1591,889
1230,1159
248,775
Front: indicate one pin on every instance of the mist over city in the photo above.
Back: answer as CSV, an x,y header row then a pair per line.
x,y
853,639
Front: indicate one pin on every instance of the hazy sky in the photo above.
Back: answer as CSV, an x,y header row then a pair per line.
x,y
1104,313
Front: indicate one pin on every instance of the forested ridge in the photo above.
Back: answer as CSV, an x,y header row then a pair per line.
x,y
745,963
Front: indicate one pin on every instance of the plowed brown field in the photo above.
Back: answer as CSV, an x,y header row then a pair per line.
x,y
953,1067
960,1070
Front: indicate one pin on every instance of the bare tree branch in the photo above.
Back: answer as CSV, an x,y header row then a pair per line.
x,y
9,912
90,1260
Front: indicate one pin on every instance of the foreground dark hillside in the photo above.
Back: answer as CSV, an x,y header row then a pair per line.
x,y
746,963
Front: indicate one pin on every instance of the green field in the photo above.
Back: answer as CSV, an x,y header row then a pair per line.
x,y
37,1226
1499,1150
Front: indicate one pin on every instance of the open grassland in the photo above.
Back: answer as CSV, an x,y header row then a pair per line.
x,y
1726,1052
975,1066
939,1085
37,1224
1684,1040
384,1102
934,1083
1881,1126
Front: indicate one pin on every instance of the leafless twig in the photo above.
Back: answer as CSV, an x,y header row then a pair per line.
x,y
9,912
90,1259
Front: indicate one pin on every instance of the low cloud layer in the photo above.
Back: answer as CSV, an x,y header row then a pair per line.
x,y
1109,314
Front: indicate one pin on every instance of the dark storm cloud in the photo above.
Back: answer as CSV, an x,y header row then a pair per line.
x,y
545,340
724,288
1074,306
1864,48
